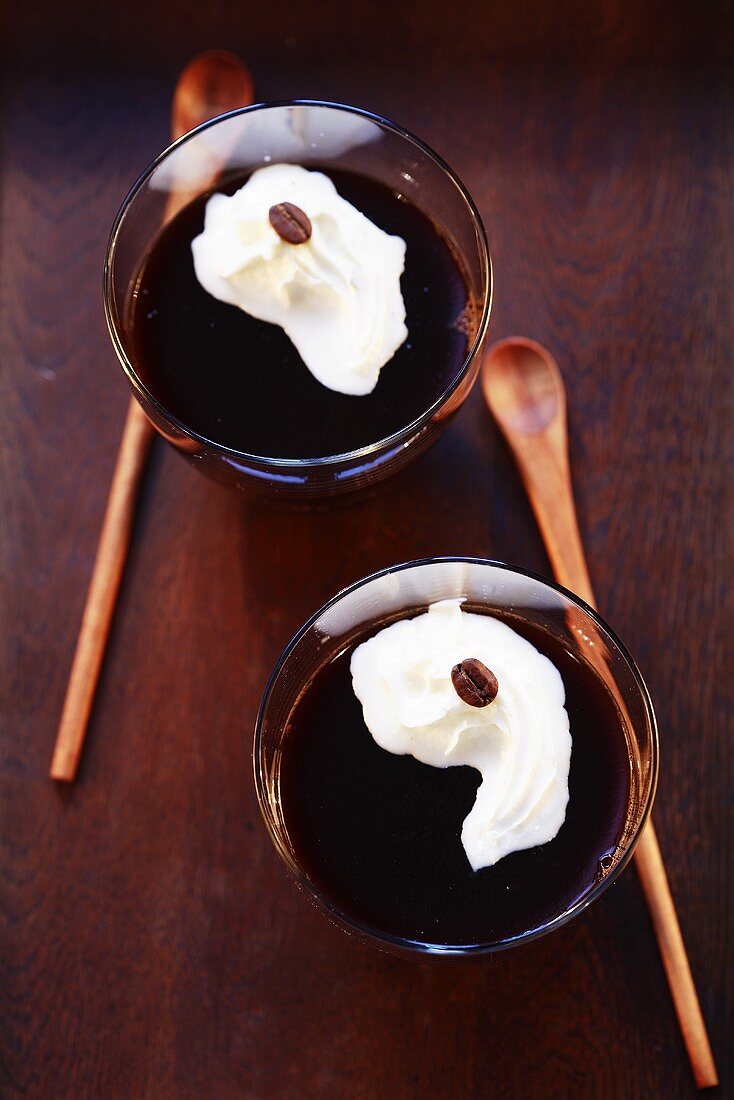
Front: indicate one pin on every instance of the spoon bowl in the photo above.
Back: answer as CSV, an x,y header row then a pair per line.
x,y
522,385
211,84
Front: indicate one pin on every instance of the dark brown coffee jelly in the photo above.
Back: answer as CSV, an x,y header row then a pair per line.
x,y
380,835
240,382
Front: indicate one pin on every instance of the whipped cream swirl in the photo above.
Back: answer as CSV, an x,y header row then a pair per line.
x,y
337,296
520,742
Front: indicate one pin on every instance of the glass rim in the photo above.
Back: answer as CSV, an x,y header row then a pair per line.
x,y
268,461
418,946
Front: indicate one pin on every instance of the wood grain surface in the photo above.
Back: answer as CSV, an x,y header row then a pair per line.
x,y
151,945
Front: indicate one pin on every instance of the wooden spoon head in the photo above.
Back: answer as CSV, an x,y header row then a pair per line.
x,y
523,387
212,84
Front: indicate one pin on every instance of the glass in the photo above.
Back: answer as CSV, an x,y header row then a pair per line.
x,y
306,132
487,586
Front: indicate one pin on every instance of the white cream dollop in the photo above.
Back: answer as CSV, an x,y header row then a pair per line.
x,y
337,296
520,742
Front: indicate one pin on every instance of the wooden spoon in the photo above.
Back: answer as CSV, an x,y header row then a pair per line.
x,y
212,84
523,388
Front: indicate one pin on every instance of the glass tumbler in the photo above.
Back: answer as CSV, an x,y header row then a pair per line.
x,y
328,135
486,586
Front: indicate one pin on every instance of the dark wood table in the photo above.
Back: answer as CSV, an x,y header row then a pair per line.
x,y
150,941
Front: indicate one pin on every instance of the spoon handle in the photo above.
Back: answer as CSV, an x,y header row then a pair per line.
x,y
656,888
544,467
103,588
545,471
109,564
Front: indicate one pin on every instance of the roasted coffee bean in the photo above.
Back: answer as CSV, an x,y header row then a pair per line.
x,y
290,222
474,683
